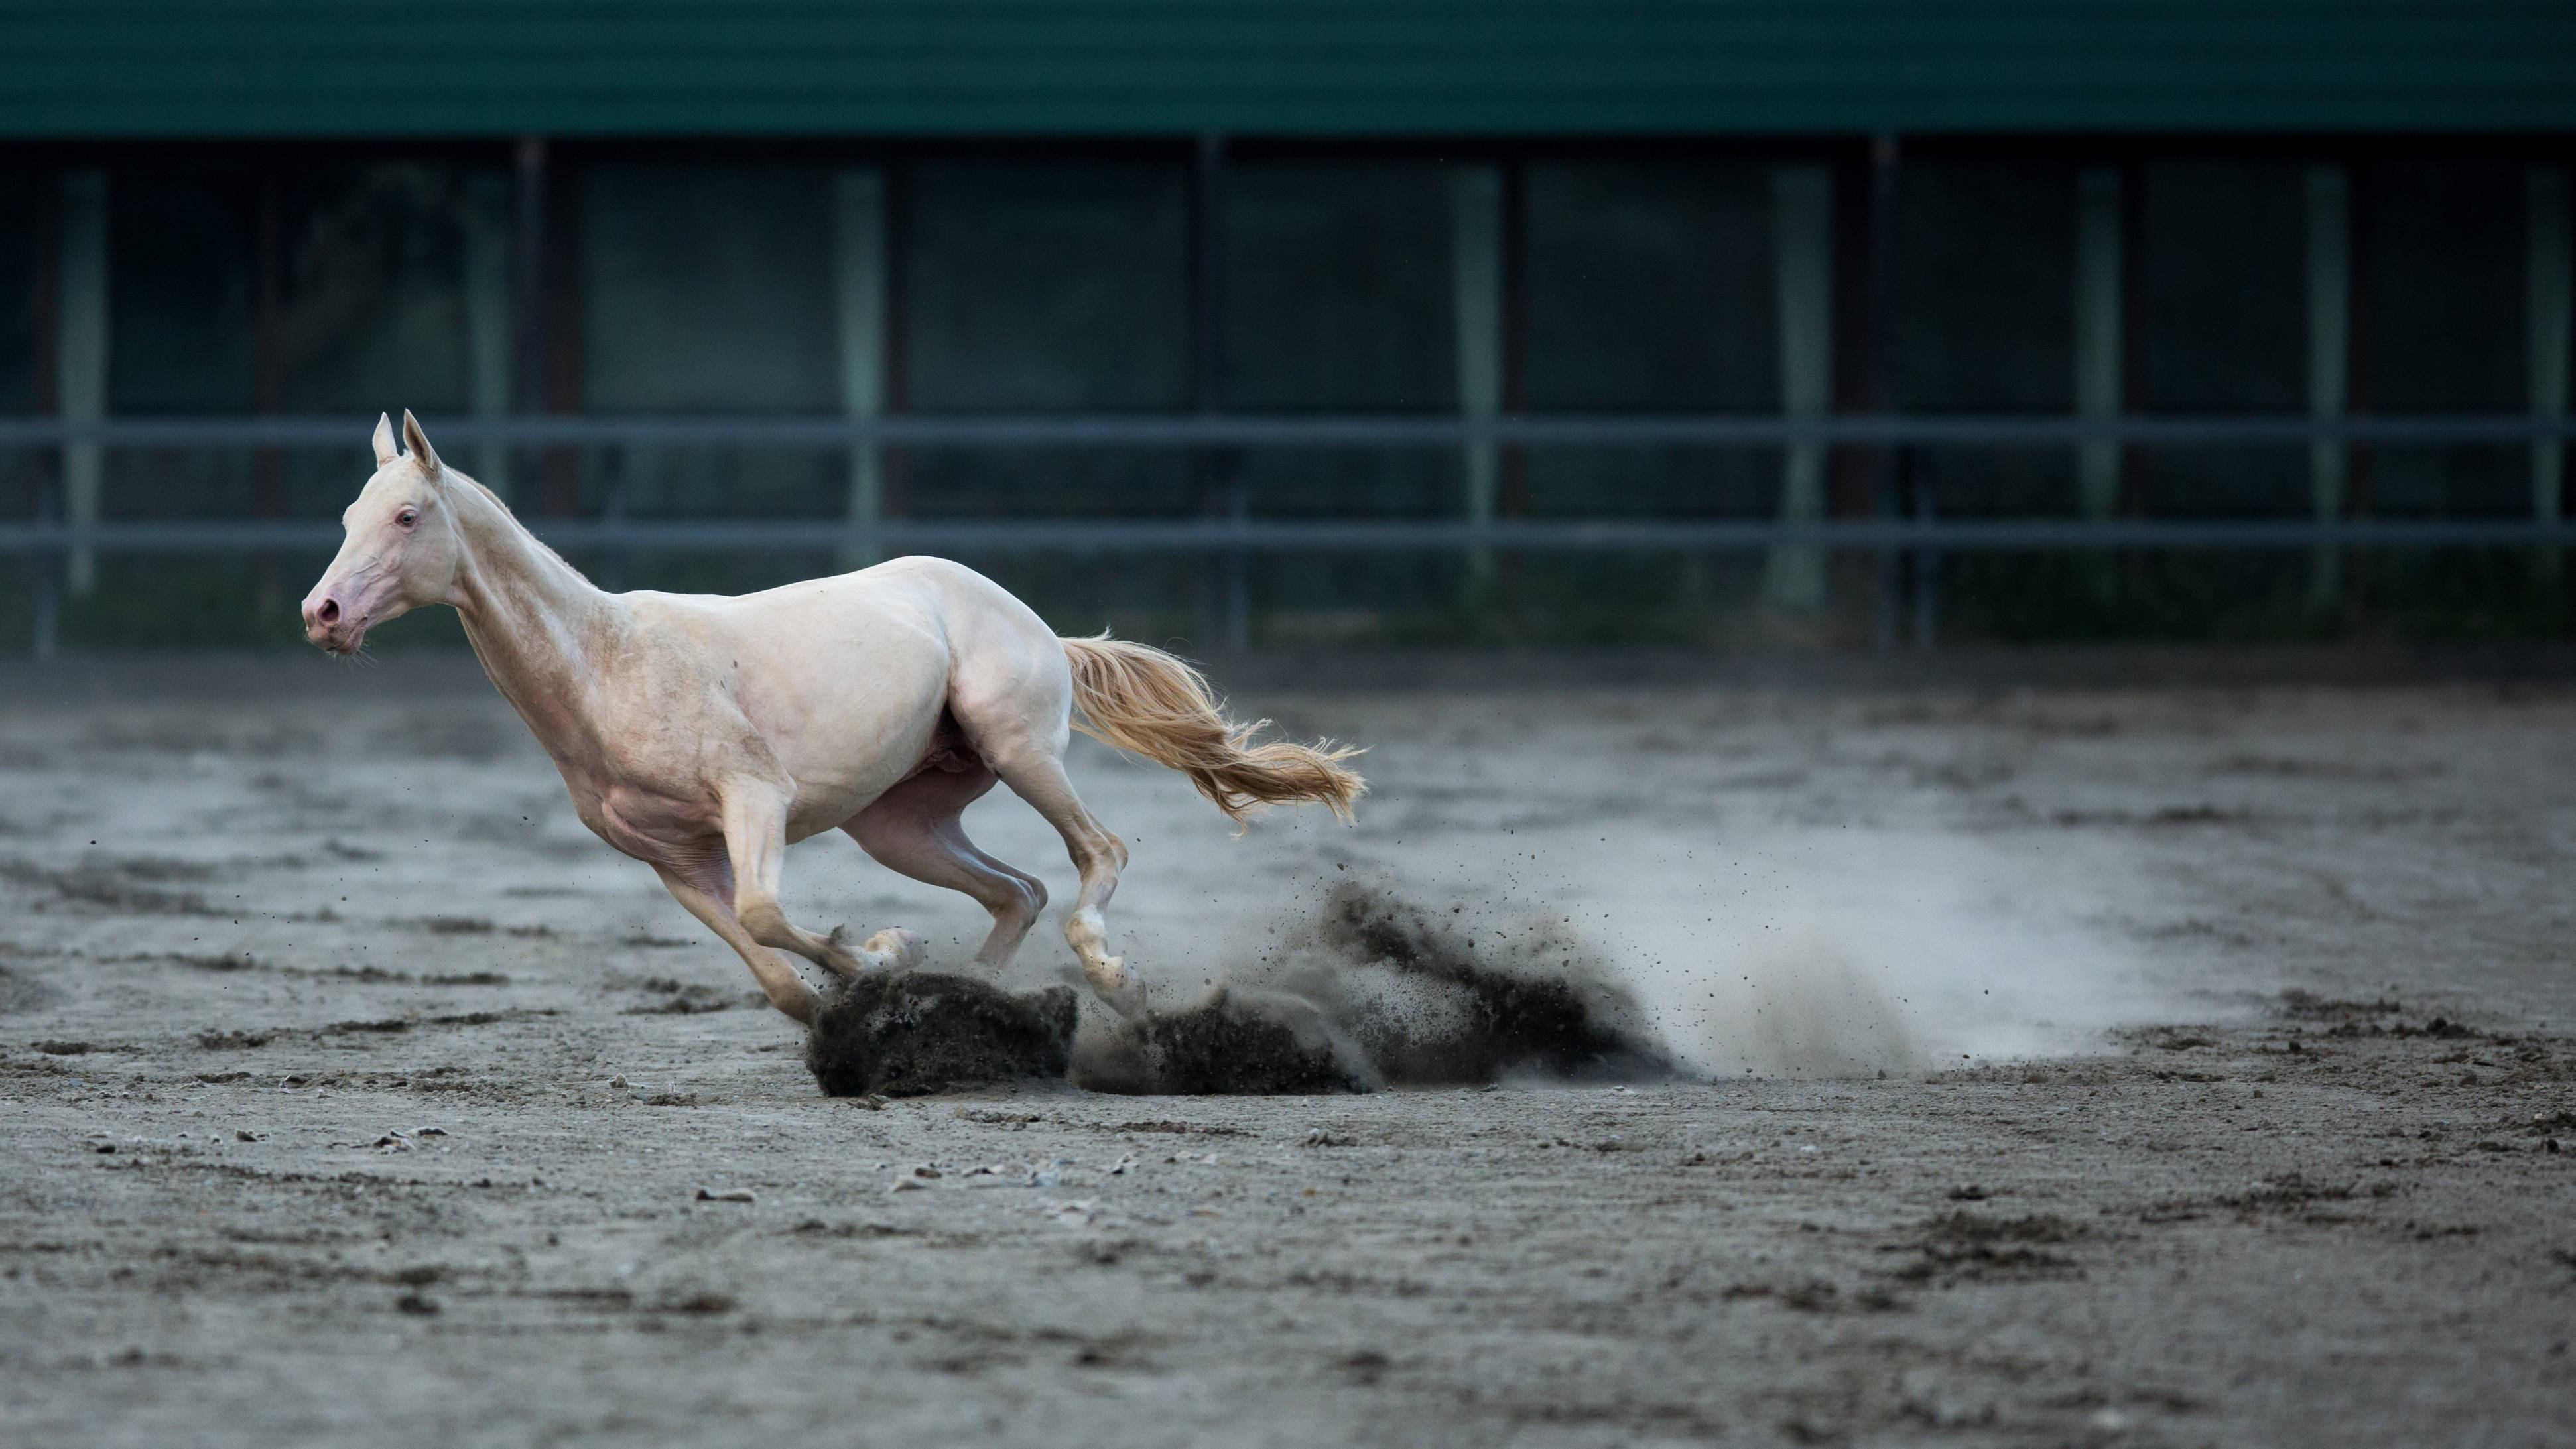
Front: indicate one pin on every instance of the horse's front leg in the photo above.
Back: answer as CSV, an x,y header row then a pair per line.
x,y
705,899
755,836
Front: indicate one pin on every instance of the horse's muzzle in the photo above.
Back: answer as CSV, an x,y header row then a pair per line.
x,y
331,627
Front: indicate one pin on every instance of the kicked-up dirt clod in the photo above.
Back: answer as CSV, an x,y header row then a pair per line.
x,y
1453,1016
1386,993
918,1032
1528,1006
1232,1043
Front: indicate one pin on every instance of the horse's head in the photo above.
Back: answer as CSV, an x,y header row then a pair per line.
x,y
402,547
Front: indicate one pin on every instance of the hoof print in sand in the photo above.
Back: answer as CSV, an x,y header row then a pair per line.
x,y
920,1032
1232,1043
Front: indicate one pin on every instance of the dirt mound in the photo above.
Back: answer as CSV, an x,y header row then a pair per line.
x,y
1232,1043
920,1032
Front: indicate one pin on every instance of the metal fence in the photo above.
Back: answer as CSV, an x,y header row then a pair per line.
x,y
1903,529
1203,430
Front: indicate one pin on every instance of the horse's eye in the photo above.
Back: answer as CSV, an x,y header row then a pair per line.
x,y
406,518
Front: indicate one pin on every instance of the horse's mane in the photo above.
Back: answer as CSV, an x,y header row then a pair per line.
x,y
507,513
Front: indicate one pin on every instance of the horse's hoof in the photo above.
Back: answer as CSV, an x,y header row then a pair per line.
x,y
1118,988
1128,1000
892,949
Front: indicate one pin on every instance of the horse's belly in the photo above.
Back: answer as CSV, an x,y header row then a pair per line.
x,y
814,812
908,752
826,798
843,758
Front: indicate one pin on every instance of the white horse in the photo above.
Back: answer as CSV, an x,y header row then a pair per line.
x,y
702,734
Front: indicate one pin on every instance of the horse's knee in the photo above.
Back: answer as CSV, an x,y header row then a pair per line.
x,y
767,923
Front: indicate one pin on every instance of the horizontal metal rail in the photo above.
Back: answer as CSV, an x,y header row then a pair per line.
x,y
1311,431
1191,535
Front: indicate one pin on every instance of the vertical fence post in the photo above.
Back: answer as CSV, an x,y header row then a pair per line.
x,y
528,305
48,607
487,318
1927,572
2098,306
614,556
1476,309
2549,278
81,356
1883,159
1225,586
1802,250
2100,301
859,289
48,565
2329,209
268,389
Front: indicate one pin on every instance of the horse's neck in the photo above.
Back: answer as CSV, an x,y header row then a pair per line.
x,y
542,631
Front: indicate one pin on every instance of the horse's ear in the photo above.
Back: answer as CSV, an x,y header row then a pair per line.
x,y
384,440
418,442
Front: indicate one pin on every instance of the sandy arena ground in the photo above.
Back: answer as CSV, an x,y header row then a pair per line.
x,y
2180,1068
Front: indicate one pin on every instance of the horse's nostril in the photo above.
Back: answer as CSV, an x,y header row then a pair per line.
x,y
329,613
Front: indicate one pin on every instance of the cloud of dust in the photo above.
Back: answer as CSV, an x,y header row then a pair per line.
x,y
1819,952
1840,952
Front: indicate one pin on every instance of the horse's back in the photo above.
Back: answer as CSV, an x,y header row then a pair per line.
x,y
964,610
918,619
919,594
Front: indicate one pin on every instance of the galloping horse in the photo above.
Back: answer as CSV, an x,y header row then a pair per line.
x,y
703,734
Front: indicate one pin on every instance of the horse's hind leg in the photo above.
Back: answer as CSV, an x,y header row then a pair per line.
x,y
755,836
1038,777
706,900
913,828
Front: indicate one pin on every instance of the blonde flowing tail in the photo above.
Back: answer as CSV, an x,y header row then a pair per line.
x,y
1150,703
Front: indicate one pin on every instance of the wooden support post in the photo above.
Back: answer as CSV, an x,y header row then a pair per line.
x,y
859,291
2329,209
1802,251
1476,291
81,355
